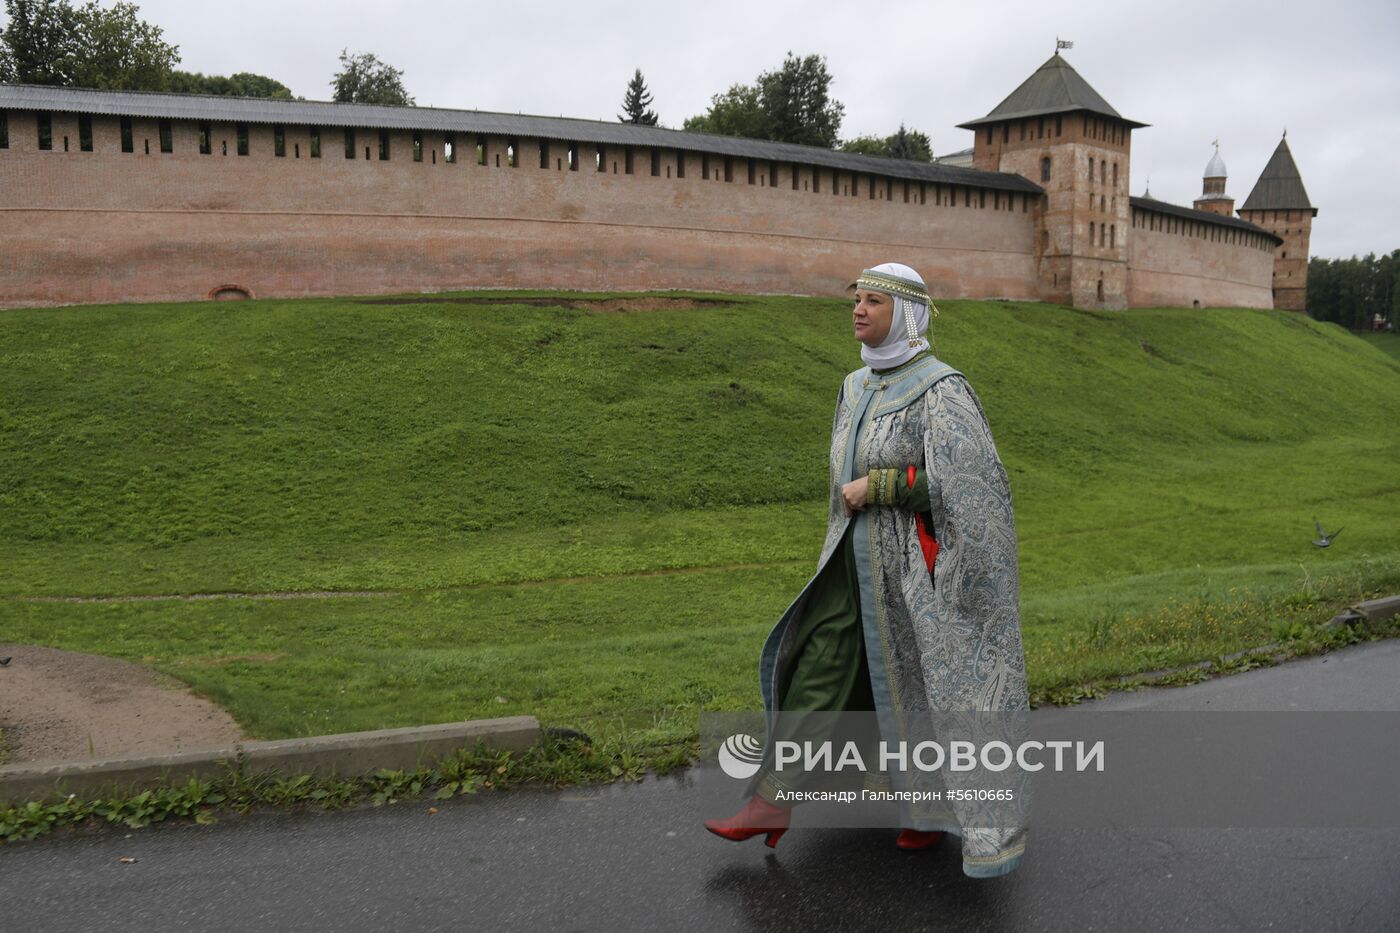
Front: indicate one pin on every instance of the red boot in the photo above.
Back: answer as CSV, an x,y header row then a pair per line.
x,y
911,840
758,816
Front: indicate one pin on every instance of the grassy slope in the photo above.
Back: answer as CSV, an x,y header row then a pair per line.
x,y
1390,343
454,452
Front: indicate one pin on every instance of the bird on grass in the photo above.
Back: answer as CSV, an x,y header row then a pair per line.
x,y
1324,539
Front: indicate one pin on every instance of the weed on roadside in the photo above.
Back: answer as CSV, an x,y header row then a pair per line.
x,y
554,762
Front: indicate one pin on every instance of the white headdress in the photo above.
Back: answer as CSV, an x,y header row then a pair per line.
x,y
906,338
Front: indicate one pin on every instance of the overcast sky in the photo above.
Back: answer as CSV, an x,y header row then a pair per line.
x,y
1196,71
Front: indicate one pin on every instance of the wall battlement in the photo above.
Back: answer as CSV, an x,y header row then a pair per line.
x,y
108,200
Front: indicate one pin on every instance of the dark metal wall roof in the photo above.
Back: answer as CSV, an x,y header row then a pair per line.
x,y
1055,87
220,109
1205,217
1280,186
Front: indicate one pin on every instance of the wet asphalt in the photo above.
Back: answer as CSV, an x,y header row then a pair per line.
x,y
633,857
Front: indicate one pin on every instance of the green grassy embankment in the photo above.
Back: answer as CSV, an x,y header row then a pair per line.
x,y
1389,343
596,516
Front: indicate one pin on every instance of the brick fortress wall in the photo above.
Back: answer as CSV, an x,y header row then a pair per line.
x,y
1082,163
111,226
1181,263
1290,265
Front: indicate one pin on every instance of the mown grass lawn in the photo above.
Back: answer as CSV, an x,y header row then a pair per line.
x,y
595,516
1387,342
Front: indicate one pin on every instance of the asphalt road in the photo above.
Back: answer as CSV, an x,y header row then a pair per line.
x,y
634,858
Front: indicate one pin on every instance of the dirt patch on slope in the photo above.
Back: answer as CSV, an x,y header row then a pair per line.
x,y
65,706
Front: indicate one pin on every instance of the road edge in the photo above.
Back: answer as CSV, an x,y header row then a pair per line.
x,y
343,755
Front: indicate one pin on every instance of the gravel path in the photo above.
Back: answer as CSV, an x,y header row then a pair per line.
x,y
65,706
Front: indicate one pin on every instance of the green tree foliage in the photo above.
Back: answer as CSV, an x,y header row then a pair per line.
x,y
736,112
364,79
41,41
903,144
912,145
797,101
865,145
53,42
243,84
792,104
8,71
636,101
1353,291
122,52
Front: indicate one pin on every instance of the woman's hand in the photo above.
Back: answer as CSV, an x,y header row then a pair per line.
x,y
854,494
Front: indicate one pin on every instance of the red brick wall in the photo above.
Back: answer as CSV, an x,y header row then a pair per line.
x,y
1216,205
1072,262
1181,262
1290,268
108,226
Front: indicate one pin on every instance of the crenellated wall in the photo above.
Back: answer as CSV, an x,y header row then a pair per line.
x,y
108,226
1178,262
113,226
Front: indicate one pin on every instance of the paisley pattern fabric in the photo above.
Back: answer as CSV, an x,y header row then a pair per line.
x,y
940,648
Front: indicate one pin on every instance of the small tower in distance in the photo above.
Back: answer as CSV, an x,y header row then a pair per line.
x,y
1280,205
1213,197
1060,133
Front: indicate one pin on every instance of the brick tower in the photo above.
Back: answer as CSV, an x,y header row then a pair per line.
x,y
1279,203
1213,197
1060,133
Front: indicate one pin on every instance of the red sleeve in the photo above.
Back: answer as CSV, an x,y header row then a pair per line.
x,y
927,543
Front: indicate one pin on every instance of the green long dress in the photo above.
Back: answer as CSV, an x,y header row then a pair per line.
x,y
829,670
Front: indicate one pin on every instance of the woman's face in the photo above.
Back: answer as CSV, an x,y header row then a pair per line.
x,y
872,316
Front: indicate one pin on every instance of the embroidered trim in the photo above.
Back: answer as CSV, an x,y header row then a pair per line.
x,y
893,285
911,328
900,389
880,487
913,386
854,387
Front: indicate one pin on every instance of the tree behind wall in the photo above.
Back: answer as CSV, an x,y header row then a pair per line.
x,y
243,84
903,144
636,101
364,79
42,42
51,42
736,112
797,101
791,105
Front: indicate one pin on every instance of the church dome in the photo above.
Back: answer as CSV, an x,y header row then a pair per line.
x,y
1216,168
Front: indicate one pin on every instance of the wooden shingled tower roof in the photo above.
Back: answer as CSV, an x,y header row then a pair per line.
x,y
1054,88
1280,187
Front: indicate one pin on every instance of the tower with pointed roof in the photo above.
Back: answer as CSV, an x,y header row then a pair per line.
x,y
1056,130
1279,203
1213,197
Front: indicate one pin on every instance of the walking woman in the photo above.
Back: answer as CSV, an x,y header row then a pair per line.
x,y
914,611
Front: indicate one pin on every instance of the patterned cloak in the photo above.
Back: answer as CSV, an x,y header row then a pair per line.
x,y
946,645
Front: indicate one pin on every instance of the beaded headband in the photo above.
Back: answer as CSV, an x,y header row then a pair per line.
x,y
893,285
873,281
